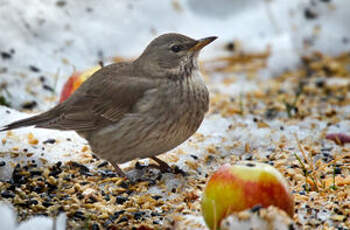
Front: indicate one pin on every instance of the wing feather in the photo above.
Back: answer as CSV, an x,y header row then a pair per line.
x,y
103,99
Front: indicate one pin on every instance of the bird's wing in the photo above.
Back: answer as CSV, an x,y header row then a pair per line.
x,y
101,100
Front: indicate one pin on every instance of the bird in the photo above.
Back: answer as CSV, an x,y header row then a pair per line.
x,y
137,109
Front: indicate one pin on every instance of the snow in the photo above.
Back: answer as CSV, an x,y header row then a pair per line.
x,y
328,32
59,39
275,220
8,221
80,33
51,153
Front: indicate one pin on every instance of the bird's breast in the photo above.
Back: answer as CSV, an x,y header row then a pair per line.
x,y
186,96
185,103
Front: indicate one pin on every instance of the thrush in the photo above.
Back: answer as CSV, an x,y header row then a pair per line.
x,y
136,109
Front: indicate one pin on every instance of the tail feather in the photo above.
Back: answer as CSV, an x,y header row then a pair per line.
x,y
35,120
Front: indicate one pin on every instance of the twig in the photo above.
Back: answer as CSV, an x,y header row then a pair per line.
x,y
309,162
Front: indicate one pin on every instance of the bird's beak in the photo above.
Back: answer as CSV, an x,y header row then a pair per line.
x,y
202,42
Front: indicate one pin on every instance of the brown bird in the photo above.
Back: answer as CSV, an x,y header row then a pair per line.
x,y
136,109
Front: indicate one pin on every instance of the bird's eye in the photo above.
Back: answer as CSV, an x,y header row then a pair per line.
x,y
176,48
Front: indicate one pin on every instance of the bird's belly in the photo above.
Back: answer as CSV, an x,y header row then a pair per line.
x,y
145,136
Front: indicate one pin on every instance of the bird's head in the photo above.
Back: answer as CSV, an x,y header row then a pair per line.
x,y
172,53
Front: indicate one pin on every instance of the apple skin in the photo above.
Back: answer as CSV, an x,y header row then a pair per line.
x,y
243,186
74,81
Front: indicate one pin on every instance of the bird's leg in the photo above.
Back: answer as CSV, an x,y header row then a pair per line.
x,y
163,166
119,171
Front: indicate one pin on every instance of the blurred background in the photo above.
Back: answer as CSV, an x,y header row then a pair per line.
x,y
44,41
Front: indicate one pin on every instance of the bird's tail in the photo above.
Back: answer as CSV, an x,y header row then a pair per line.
x,y
25,122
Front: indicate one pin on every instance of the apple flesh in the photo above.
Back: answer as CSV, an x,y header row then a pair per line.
x,y
243,186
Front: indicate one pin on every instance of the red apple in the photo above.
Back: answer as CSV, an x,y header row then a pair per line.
x,y
74,81
77,78
243,186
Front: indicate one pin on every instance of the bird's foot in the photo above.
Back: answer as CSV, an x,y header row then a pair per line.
x,y
121,173
165,168
129,180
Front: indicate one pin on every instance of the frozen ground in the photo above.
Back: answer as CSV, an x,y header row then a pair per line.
x,y
43,42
